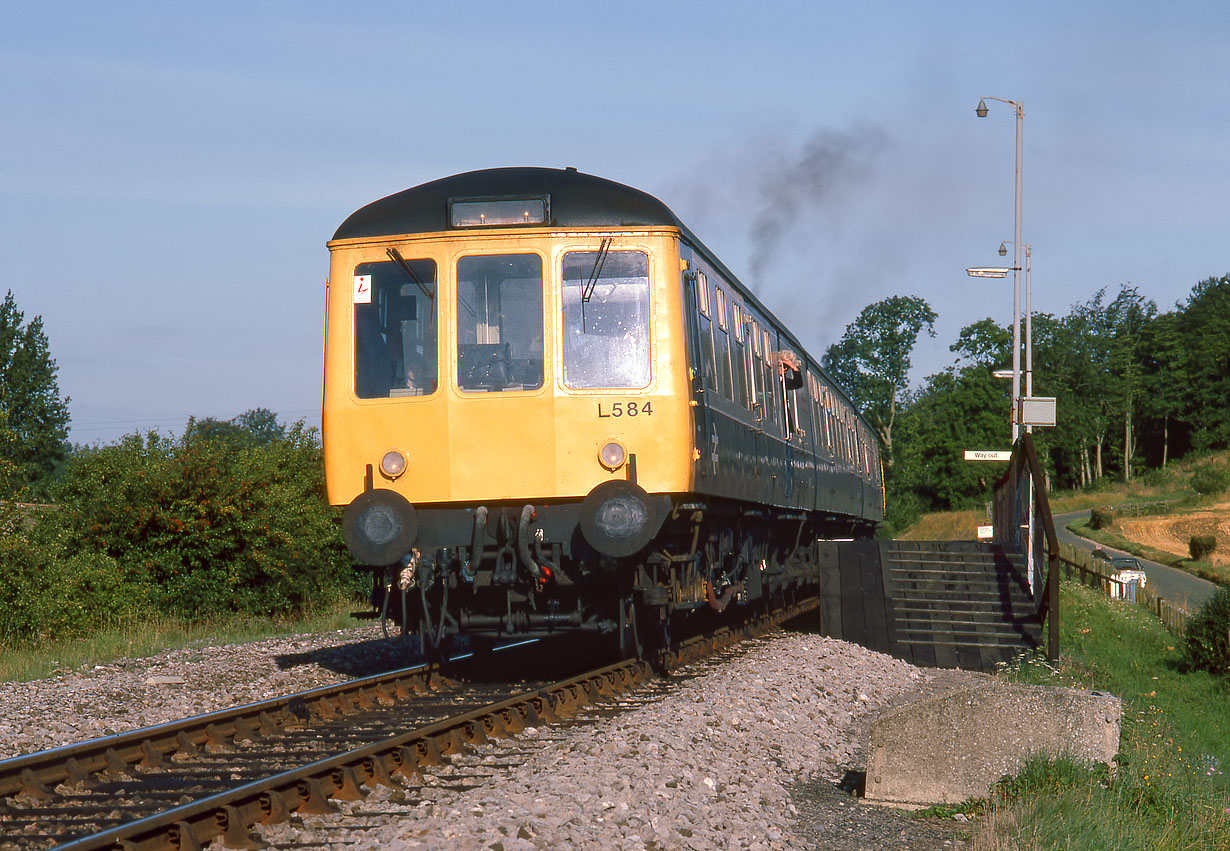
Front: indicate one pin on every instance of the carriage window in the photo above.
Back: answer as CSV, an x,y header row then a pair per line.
x,y
770,395
499,323
755,373
706,353
824,431
721,343
606,319
738,357
395,328
702,292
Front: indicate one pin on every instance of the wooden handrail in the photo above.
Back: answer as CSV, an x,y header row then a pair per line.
x,y
1025,459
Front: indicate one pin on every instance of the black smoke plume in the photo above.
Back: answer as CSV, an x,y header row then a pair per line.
x,y
828,165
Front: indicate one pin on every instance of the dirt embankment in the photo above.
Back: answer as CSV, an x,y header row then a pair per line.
x,y
1171,533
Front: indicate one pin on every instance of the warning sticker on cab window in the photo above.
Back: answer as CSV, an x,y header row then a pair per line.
x,y
362,289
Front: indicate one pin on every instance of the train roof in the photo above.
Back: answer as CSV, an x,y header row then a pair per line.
x,y
575,200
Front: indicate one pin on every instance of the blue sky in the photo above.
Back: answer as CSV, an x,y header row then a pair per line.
x,y
170,172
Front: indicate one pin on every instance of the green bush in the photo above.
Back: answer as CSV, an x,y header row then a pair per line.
x,y
1100,518
1210,480
213,527
193,527
1207,636
1200,546
50,593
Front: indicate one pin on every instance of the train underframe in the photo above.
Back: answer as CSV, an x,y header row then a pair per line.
x,y
501,573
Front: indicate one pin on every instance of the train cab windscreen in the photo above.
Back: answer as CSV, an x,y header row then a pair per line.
x,y
499,323
395,328
606,319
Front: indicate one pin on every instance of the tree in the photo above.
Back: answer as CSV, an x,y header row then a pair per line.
x,y
1128,316
257,427
1075,369
262,424
34,416
1205,325
984,343
213,430
954,411
872,360
1164,356
8,444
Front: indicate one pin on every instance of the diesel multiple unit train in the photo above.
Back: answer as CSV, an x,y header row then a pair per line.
x,y
549,409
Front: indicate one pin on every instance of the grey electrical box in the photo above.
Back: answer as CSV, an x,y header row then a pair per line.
x,y
1038,410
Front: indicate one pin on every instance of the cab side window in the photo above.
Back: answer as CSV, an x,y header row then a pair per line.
x,y
395,328
499,323
606,319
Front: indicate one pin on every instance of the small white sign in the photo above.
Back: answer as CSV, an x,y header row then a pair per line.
x,y
362,289
985,533
988,455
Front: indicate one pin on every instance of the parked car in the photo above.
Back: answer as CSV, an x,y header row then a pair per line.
x,y
1130,576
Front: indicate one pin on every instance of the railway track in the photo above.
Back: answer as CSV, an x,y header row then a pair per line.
x,y
183,784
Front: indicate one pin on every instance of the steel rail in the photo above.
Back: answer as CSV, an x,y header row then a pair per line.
x,y
31,775
307,789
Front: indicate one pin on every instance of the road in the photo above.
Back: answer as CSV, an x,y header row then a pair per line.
x,y
1172,584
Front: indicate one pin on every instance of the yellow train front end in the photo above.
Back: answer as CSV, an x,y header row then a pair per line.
x,y
487,377
506,400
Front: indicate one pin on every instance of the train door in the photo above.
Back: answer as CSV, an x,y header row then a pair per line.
x,y
700,356
788,374
759,406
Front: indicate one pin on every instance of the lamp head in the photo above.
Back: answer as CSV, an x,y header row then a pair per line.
x,y
1003,249
981,111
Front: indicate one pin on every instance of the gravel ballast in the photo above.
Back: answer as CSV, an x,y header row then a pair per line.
x,y
748,752
132,693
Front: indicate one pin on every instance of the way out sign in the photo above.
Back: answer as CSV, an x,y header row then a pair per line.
x,y
988,455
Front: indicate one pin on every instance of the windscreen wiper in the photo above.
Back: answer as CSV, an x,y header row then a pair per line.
x,y
396,257
595,274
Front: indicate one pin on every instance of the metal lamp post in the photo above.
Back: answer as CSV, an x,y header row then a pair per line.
x,y
981,112
1029,325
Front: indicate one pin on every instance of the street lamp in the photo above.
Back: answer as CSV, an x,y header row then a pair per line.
x,y
1015,372
981,112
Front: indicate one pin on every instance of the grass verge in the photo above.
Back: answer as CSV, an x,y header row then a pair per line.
x,y
1169,789
153,635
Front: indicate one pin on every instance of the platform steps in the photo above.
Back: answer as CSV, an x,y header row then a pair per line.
x,y
936,604
959,604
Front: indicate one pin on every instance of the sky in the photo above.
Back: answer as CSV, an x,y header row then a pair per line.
x,y
170,172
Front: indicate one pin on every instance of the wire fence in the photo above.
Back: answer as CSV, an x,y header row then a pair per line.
x,y
1096,573
1138,509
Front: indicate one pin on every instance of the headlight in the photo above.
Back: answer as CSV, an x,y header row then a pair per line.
x,y
393,464
612,455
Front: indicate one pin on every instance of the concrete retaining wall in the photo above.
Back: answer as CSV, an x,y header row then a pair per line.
x,y
952,747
